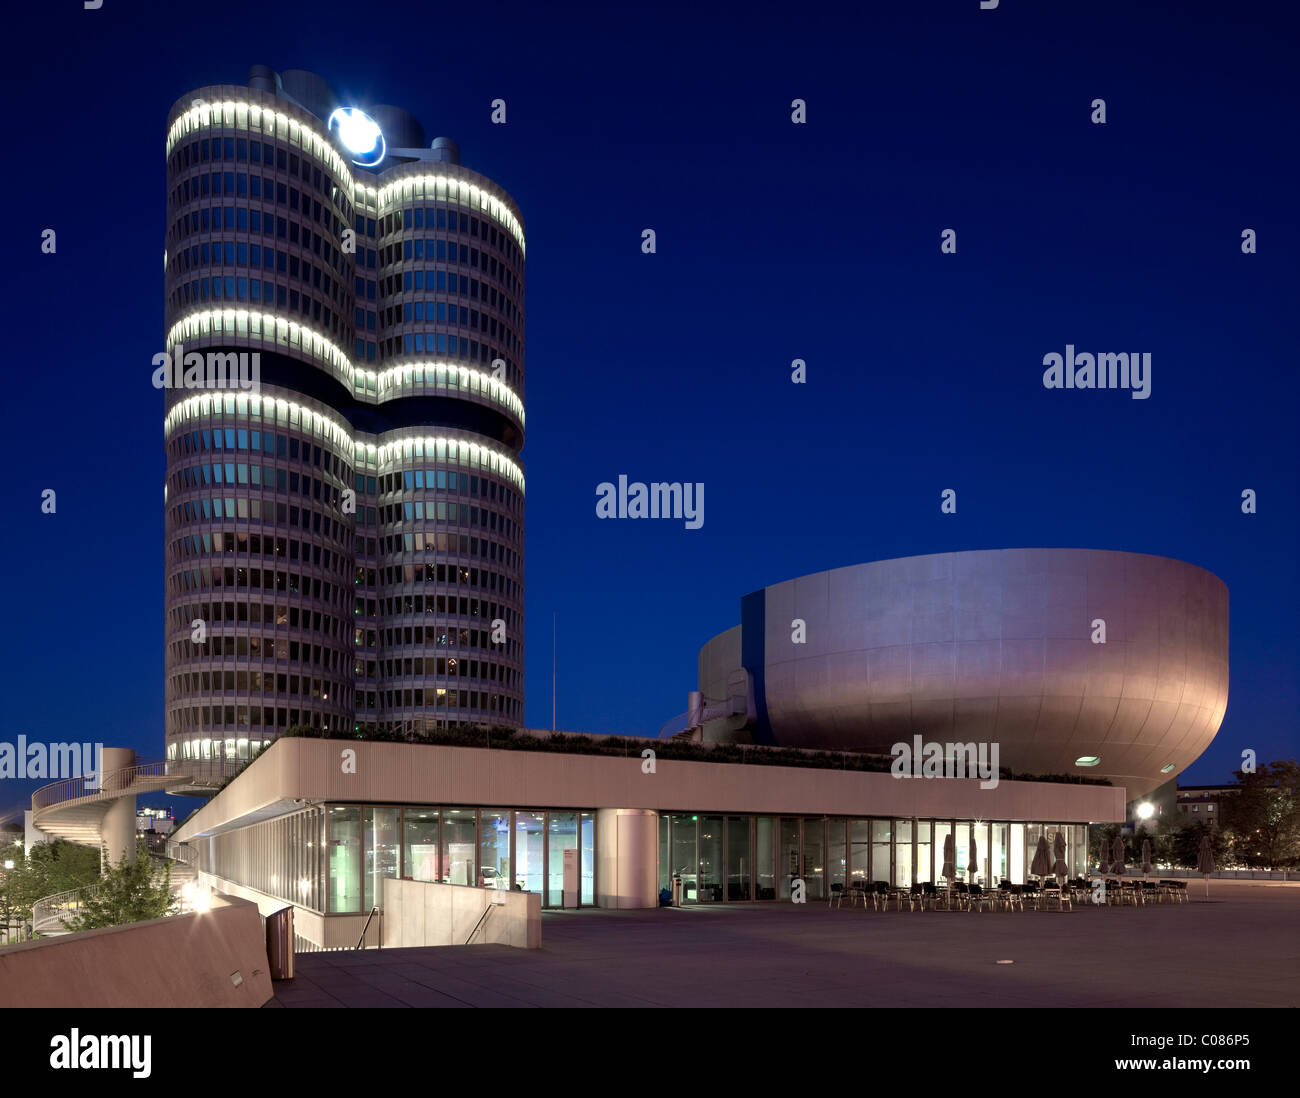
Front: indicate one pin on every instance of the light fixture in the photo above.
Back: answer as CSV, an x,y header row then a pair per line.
x,y
1145,810
1088,760
360,135
1166,768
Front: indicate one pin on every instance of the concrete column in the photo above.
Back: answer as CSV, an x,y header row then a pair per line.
x,y
627,846
117,833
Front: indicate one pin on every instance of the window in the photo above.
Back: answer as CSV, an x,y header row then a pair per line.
x,y
345,859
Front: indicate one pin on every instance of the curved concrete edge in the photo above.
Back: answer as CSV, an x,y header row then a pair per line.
x,y
215,958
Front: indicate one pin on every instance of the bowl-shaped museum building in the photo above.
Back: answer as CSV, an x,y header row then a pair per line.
x,y
1073,661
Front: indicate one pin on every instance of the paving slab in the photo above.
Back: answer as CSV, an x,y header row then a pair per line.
x,y
1240,949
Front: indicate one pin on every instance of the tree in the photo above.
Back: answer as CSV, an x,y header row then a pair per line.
x,y
1185,843
129,893
1264,815
49,868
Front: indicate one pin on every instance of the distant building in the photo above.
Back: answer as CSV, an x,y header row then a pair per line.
x,y
1203,802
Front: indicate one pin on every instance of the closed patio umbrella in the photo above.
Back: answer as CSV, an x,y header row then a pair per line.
x,y
1041,866
1060,868
1102,860
974,867
949,870
1117,856
1205,862
1146,858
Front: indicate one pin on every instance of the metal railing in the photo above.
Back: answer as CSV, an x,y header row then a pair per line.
x,y
481,920
49,912
362,940
1231,874
113,781
122,780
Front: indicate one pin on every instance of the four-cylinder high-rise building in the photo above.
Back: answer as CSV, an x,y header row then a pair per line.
x,y
344,514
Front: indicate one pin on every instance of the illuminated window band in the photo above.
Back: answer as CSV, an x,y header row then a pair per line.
x,y
289,414
271,410
450,376
453,451
263,120
370,386
446,188
239,115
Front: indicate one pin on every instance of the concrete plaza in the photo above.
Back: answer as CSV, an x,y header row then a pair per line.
x,y
1240,949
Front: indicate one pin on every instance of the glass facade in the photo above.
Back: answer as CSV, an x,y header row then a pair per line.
x,y
345,859
459,828
381,852
420,844
494,848
739,864
765,858
711,865
563,835
334,858
814,857
530,837
587,822
765,854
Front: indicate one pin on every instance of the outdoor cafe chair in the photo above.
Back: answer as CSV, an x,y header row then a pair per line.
x,y
880,895
916,897
962,891
856,891
1030,891
976,897
1006,898
1054,893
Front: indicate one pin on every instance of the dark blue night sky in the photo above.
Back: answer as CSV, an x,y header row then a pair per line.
x,y
775,241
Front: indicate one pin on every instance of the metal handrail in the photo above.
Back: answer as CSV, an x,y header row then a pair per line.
x,y
69,789
481,919
112,780
59,904
373,912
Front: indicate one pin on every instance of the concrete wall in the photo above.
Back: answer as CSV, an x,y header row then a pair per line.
x,y
421,913
297,769
182,961
332,932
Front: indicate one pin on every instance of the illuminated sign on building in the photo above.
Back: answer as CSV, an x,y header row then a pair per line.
x,y
360,135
